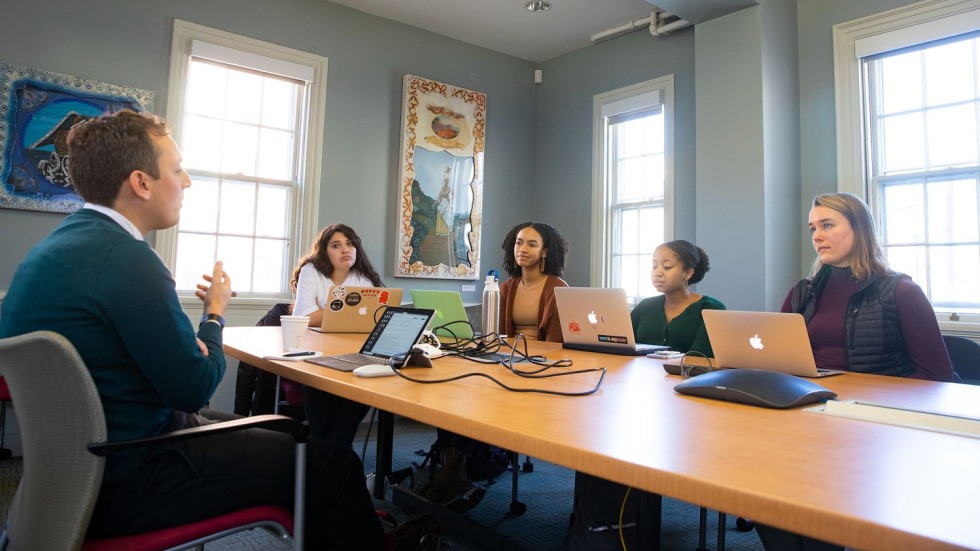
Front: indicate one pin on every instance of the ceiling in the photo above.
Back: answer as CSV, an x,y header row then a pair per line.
x,y
506,26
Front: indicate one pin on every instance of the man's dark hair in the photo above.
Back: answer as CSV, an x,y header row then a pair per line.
x,y
104,151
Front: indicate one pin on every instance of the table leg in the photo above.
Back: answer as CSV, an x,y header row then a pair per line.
x,y
382,466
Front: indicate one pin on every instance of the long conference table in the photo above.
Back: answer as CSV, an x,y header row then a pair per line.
x,y
863,484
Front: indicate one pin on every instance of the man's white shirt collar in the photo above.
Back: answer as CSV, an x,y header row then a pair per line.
x,y
117,217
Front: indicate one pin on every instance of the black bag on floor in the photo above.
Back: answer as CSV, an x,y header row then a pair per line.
x,y
595,515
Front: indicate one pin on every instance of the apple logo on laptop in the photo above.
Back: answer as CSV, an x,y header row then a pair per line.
x,y
756,342
592,318
362,310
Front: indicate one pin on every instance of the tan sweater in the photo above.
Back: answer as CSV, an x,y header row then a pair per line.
x,y
549,326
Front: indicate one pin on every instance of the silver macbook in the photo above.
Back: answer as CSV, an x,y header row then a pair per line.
x,y
598,320
771,341
352,309
395,333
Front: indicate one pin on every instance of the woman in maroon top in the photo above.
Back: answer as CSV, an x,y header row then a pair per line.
x,y
860,315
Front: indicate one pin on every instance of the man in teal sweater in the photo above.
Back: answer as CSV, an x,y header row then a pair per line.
x,y
98,283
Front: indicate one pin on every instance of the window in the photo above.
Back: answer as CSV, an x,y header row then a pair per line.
x,y
632,184
909,140
244,114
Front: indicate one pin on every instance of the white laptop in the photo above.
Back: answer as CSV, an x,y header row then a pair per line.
x,y
771,341
598,320
352,309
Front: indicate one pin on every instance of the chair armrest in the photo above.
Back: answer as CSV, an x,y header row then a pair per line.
x,y
278,423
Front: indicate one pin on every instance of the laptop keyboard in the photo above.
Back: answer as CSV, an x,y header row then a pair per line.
x,y
359,359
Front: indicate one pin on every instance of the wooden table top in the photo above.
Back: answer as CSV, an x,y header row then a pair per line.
x,y
862,484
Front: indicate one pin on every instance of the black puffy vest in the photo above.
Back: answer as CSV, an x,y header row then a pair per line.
x,y
874,334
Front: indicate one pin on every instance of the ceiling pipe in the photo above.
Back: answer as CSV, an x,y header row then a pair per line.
x,y
657,30
635,24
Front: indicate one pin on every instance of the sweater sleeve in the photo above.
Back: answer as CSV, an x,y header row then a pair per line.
x,y
701,342
920,329
550,325
307,291
138,296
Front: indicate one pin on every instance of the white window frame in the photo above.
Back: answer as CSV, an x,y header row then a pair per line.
x,y
609,104
306,210
853,40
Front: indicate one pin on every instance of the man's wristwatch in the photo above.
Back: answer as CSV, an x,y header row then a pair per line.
x,y
213,318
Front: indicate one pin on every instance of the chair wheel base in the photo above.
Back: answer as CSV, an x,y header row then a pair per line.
x,y
518,507
5,453
744,524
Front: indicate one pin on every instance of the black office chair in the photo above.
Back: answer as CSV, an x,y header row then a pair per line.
x,y
965,355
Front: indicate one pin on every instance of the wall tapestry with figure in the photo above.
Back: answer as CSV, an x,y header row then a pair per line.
x,y
441,181
37,109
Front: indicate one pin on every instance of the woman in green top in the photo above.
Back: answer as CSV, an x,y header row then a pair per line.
x,y
674,317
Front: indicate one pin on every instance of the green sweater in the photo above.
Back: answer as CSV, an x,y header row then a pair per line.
x,y
111,296
684,333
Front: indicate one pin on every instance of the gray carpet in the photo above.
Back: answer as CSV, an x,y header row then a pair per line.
x,y
547,492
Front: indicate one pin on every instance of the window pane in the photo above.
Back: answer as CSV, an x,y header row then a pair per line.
x,y
949,73
206,87
630,281
901,77
272,215
198,139
195,257
279,104
952,135
953,211
954,275
275,154
239,149
236,253
911,261
245,105
629,179
199,211
270,257
646,281
237,209
651,230
904,216
903,142
628,232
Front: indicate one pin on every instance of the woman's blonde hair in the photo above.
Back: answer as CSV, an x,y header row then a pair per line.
x,y
866,259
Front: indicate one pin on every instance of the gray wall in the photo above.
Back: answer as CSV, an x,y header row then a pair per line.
x,y
562,191
539,138
128,43
818,134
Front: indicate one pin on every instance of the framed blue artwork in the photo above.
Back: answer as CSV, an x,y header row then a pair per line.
x,y
37,109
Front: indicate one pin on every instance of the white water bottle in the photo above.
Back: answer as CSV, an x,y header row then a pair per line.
x,y
491,305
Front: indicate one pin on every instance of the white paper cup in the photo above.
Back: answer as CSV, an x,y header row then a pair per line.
x,y
293,331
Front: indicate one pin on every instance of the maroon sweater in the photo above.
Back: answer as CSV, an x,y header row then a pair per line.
x,y
921,333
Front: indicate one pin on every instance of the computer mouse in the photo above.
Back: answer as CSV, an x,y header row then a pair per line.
x,y
374,370
755,387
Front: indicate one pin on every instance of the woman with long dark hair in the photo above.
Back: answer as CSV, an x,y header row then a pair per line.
x,y
337,258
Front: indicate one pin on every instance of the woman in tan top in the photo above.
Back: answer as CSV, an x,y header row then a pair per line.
x,y
534,257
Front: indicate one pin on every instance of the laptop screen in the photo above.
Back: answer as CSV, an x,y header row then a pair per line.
x,y
397,331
